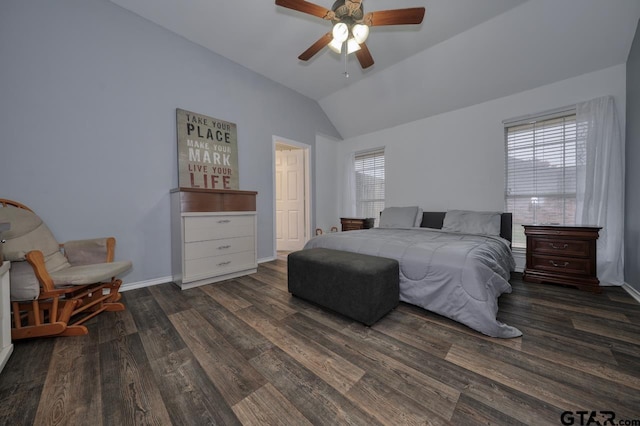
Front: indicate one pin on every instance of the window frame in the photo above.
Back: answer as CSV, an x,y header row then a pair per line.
x,y
369,206
541,139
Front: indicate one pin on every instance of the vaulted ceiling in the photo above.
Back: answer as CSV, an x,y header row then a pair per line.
x,y
465,52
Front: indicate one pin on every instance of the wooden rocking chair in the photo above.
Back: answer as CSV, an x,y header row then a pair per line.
x,y
55,288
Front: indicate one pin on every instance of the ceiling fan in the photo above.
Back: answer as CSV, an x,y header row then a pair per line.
x,y
351,25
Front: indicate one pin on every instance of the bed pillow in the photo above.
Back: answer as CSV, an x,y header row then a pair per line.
x,y
471,222
398,217
418,221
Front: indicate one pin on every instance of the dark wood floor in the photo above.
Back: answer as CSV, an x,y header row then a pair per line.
x,y
245,352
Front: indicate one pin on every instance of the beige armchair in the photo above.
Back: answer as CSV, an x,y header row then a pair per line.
x,y
55,288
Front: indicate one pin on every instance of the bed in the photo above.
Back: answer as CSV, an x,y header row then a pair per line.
x,y
456,264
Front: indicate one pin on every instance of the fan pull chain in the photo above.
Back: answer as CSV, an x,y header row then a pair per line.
x,y
344,49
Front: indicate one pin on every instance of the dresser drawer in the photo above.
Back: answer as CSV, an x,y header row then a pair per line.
x,y
195,269
560,247
211,248
202,228
561,265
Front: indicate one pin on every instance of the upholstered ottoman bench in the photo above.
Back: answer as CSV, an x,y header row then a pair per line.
x,y
362,287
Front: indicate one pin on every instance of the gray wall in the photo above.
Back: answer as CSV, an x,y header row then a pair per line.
x,y
632,178
88,93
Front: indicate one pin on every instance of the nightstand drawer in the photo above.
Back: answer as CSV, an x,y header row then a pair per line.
x,y
561,265
353,224
562,254
560,247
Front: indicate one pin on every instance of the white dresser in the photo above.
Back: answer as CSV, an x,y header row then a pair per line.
x,y
213,235
5,315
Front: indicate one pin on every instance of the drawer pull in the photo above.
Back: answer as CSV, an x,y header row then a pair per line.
x,y
224,263
224,247
562,247
558,265
224,221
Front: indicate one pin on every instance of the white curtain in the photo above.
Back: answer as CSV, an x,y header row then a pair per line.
x,y
349,192
600,183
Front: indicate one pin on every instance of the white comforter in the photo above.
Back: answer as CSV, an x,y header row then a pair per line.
x,y
459,276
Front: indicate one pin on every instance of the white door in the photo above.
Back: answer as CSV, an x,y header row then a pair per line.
x,y
290,199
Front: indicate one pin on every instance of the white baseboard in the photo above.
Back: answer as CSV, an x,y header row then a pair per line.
x,y
632,291
169,279
520,257
146,283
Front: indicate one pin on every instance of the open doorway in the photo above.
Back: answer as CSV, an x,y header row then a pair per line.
x,y
292,194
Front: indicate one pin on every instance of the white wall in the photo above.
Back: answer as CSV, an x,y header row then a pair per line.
x,y
327,189
88,93
632,177
536,43
456,160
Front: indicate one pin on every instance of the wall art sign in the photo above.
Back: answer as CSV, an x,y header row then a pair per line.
x,y
207,152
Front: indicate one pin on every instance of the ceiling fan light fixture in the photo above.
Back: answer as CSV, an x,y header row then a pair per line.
x,y
352,46
360,33
340,32
351,26
336,46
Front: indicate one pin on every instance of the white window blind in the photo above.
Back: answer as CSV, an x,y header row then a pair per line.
x,y
541,172
369,169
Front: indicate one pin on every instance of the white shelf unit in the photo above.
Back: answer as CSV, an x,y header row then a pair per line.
x,y
5,315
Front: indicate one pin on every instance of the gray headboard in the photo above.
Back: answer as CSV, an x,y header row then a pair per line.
x,y
435,220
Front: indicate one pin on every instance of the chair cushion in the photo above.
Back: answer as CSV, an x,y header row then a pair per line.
x,y
28,232
89,274
24,284
22,221
86,252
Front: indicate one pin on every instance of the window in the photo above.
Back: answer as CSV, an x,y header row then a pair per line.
x,y
541,172
369,168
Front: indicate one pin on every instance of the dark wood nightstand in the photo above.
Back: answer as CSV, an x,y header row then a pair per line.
x,y
562,254
354,223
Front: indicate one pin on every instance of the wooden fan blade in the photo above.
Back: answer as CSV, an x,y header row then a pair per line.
x,y
316,47
413,15
364,56
306,7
